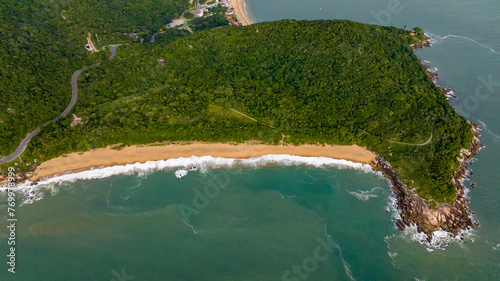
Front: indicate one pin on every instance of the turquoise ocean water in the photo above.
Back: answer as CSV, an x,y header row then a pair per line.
x,y
279,223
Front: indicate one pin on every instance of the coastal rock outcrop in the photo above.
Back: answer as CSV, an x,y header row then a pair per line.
x,y
421,44
414,210
18,178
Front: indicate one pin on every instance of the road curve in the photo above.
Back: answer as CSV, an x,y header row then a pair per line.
x,y
20,149
416,144
74,95
413,144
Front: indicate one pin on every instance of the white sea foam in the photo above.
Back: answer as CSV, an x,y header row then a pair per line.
x,y
483,126
440,239
32,193
436,39
433,39
392,204
365,194
451,94
181,173
204,163
35,192
392,255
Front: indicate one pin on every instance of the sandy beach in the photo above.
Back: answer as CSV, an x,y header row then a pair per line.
x,y
105,157
241,12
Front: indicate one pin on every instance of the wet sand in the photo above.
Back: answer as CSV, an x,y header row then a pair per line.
x,y
105,157
241,11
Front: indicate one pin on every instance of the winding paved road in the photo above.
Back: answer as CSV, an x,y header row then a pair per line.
x,y
74,95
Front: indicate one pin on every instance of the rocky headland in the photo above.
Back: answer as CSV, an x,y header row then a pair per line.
x,y
415,211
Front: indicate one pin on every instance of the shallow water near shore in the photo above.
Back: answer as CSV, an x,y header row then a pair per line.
x,y
254,225
466,55
226,224
230,224
264,223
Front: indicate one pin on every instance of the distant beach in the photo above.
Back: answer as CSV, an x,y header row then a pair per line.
x,y
106,157
241,11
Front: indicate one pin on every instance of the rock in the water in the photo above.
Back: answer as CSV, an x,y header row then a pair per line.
x,y
400,225
405,220
444,225
473,185
420,229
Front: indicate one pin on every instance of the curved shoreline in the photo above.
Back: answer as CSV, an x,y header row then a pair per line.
x,y
107,157
240,10
415,211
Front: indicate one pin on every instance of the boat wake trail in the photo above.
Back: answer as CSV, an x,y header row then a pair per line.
x,y
484,127
439,39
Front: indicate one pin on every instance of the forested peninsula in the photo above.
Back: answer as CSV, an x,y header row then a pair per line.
x,y
328,81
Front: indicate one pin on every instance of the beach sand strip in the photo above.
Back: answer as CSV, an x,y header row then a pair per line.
x,y
106,157
241,12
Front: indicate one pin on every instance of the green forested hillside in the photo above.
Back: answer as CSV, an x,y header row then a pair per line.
x,y
111,18
40,50
336,82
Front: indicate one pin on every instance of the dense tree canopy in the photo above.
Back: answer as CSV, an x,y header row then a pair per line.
x,y
43,44
209,22
336,82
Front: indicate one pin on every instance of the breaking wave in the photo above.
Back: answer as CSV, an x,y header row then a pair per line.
x,y
181,173
33,191
440,239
